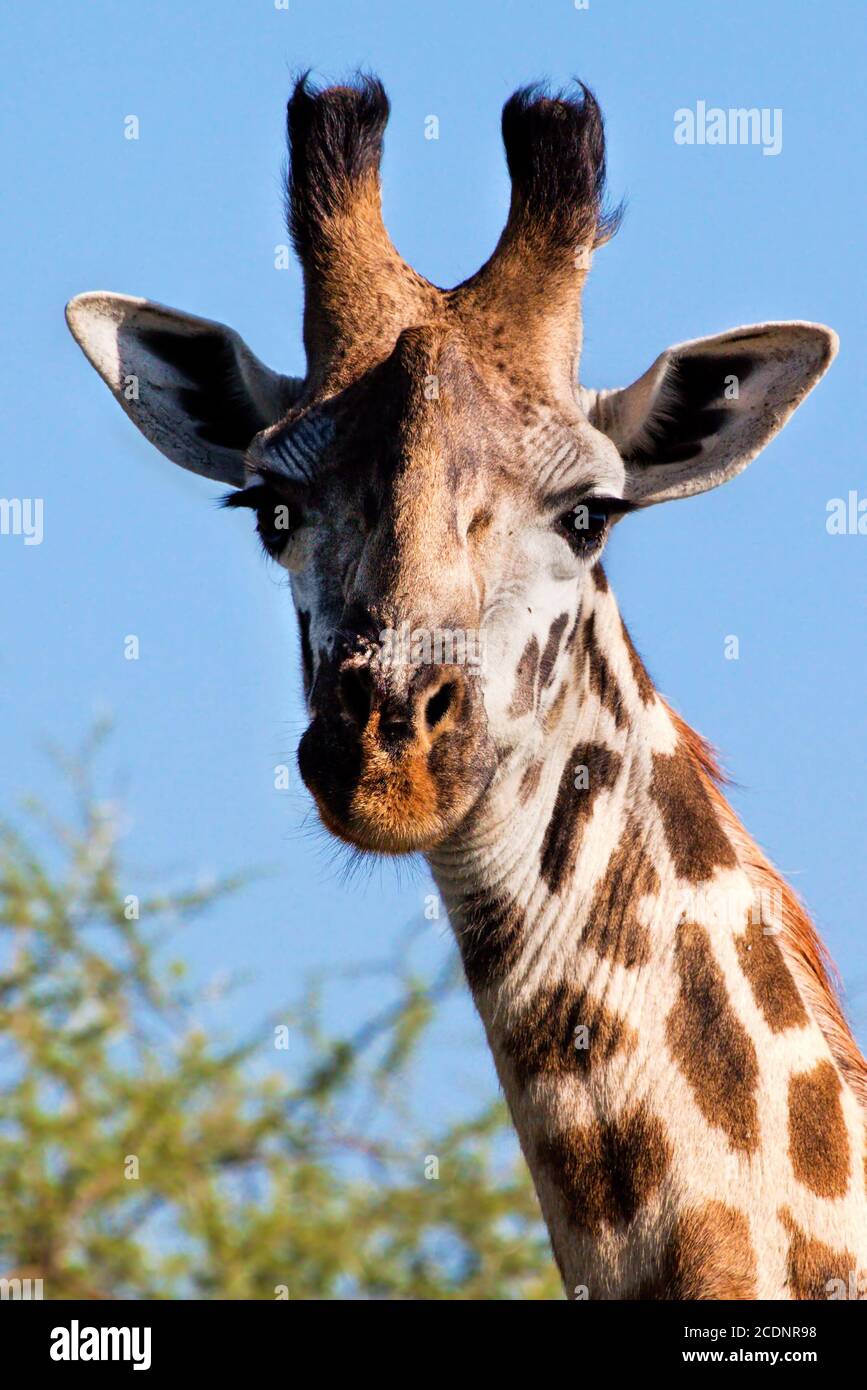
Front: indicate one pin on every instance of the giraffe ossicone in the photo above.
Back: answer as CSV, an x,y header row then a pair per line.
x,y
683,1081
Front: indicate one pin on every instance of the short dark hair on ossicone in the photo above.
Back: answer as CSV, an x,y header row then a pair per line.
x,y
335,142
555,150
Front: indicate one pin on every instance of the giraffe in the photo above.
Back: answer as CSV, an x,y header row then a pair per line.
x,y
661,1012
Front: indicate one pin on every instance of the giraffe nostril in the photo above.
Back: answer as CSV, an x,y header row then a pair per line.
x,y
392,731
439,704
356,694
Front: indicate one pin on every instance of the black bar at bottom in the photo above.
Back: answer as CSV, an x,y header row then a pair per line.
x,y
83,1339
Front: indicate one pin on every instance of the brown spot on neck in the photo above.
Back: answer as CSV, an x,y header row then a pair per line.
x,y
564,1031
613,927
709,1255
773,988
818,1141
554,714
695,837
575,629
524,693
552,647
646,688
573,807
607,1171
602,679
530,783
711,1045
812,1265
600,579
490,932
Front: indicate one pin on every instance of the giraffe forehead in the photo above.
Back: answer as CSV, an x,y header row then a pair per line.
x,y
440,409
448,473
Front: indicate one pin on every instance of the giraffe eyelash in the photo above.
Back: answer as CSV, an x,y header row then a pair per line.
x,y
264,479
278,514
613,506
586,535
562,504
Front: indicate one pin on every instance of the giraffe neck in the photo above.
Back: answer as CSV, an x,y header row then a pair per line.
x,y
689,1126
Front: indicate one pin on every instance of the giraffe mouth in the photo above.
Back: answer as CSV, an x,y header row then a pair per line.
x,y
393,798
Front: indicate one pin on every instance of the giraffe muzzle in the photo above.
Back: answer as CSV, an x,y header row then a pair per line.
x,y
395,759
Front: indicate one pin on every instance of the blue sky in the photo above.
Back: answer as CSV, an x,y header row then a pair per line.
x,y
190,214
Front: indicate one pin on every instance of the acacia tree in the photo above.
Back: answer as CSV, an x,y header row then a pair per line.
x,y
143,1157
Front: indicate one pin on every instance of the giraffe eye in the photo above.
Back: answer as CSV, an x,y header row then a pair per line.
x,y
585,526
277,517
276,522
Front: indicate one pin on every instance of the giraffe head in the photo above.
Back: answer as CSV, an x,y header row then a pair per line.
x,y
438,486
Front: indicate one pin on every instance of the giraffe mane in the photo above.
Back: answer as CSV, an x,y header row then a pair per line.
x,y
804,948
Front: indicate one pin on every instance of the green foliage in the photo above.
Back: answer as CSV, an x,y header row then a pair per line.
x,y
143,1157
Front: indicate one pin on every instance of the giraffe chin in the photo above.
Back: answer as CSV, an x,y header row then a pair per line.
x,y
388,804
376,836
381,824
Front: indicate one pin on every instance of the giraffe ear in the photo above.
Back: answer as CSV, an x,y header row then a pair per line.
x,y
705,408
192,387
